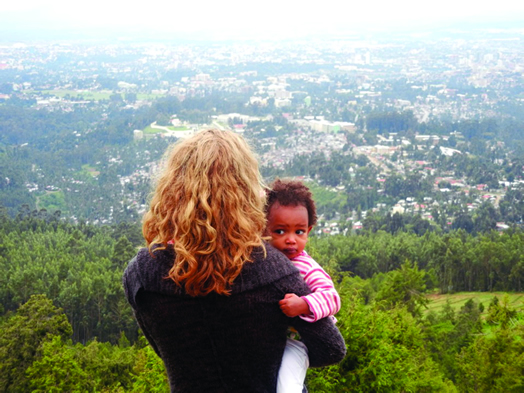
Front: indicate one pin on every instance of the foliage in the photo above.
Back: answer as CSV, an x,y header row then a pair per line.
x,y
391,122
454,261
149,373
37,355
404,287
79,267
500,314
449,332
381,277
493,364
385,353
58,370
22,337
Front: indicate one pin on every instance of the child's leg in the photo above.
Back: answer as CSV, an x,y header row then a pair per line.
x,y
295,363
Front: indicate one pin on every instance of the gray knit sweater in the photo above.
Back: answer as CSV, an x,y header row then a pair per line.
x,y
225,343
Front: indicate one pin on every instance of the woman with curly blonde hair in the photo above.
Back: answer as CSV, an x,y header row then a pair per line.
x,y
214,228
205,291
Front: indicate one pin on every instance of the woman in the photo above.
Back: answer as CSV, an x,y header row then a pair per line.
x,y
205,291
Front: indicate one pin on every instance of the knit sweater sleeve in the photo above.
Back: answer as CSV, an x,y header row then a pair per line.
x,y
132,283
325,300
322,338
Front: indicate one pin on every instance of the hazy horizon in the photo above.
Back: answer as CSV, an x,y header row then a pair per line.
x,y
30,20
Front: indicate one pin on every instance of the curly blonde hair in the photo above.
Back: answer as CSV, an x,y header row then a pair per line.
x,y
209,203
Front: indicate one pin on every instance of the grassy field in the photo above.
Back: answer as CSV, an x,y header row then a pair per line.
x,y
90,95
52,201
90,170
151,130
86,95
457,300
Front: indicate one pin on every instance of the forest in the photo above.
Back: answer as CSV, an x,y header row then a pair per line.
x,y
65,324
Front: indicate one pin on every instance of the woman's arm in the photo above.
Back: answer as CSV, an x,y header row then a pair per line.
x,y
325,300
323,340
325,344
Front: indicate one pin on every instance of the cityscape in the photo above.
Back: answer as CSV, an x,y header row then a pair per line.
x,y
293,100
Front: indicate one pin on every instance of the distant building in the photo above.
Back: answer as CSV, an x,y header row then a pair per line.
x,y
449,152
138,134
328,126
258,101
501,226
281,102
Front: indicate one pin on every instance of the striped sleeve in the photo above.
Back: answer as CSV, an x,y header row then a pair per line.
x,y
324,301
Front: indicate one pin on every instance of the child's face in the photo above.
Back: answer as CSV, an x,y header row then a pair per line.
x,y
288,227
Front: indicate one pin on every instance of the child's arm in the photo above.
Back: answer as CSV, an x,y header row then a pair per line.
x,y
323,302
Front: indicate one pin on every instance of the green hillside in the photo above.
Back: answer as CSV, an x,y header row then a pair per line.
x,y
457,300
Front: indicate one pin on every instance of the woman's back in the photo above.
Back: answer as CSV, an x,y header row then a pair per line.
x,y
203,292
220,343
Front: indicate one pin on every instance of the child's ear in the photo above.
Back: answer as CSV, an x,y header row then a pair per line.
x,y
309,229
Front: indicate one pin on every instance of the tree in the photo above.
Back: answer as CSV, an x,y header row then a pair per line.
x,y
57,370
500,314
149,373
385,353
130,97
405,286
493,364
122,253
449,332
485,218
116,98
22,337
463,221
95,367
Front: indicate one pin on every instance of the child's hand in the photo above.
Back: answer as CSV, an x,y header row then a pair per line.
x,y
292,305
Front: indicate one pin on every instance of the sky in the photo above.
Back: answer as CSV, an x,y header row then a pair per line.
x,y
240,18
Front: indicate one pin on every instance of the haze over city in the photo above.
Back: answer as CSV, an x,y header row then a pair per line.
x,y
234,19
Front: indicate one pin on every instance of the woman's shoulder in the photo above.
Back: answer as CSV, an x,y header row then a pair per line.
x,y
269,256
153,262
268,265
147,271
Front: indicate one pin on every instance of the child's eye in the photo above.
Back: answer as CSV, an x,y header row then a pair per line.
x,y
300,232
278,231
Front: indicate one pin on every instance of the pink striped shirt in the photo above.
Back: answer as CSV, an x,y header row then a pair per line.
x,y
324,301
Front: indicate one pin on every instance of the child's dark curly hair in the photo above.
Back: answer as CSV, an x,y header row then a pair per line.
x,y
291,193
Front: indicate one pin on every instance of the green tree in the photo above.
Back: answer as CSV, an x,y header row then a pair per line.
x,y
500,314
405,286
58,370
493,364
385,353
22,337
449,332
122,253
485,218
149,373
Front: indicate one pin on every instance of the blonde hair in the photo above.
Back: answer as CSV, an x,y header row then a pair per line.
x,y
209,202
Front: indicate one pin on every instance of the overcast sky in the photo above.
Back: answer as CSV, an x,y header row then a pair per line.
x,y
246,18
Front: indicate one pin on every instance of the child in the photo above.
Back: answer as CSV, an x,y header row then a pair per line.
x,y
291,213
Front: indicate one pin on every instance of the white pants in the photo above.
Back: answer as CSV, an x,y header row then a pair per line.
x,y
295,363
